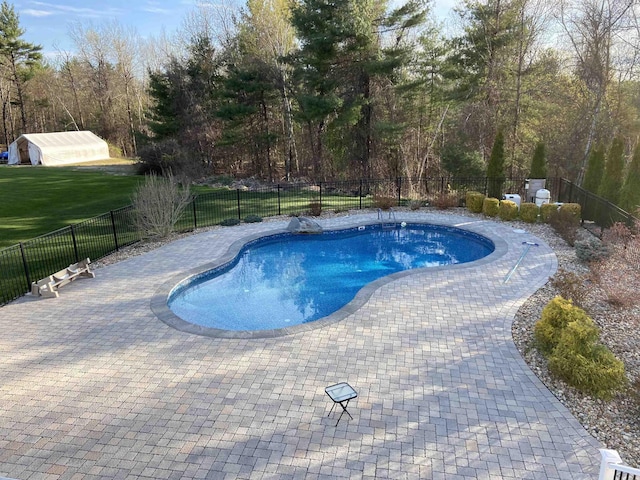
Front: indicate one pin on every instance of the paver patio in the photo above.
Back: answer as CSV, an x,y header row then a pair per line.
x,y
94,385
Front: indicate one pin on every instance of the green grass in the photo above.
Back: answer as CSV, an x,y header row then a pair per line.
x,y
38,200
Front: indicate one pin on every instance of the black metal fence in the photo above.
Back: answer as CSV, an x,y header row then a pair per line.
x,y
595,209
100,236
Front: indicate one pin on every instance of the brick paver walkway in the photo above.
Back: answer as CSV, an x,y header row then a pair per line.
x,y
93,385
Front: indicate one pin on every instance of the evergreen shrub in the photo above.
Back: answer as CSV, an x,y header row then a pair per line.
x,y
474,201
252,219
529,212
558,313
508,210
230,222
583,363
490,207
495,167
591,250
539,162
569,338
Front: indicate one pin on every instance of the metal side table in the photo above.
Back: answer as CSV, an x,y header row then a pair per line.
x,y
341,393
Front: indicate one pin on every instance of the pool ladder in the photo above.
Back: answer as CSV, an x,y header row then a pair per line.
x,y
391,219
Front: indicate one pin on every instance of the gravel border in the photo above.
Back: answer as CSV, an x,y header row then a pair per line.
x,y
616,423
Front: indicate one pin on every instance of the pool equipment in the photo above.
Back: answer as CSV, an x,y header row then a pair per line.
x,y
526,250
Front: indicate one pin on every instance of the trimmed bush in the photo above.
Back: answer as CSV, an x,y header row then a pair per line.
x,y
584,364
555,317
252,219
230,222
546,209
574,209
490,207
508,210
565,222
474,201
529,212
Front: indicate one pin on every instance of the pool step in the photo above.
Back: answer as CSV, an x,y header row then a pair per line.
x,y
391,222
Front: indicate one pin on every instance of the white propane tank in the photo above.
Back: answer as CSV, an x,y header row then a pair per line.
x,y
514,197
543,196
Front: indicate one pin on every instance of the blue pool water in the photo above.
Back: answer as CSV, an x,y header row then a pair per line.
x,y
286,279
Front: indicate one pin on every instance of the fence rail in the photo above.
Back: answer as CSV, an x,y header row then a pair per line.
x,y
102,235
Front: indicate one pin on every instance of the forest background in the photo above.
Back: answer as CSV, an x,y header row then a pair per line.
x,y
316,89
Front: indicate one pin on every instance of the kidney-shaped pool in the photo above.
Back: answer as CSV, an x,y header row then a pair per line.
x,y
284,280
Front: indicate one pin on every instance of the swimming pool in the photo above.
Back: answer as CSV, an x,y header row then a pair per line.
x,y
283,280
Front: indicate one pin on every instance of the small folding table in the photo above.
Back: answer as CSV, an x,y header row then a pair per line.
x,y
341,393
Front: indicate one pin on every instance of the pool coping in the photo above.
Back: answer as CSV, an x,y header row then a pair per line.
x,y
158,302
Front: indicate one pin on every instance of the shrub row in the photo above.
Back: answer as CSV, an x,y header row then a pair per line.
x,y
529,212
569,339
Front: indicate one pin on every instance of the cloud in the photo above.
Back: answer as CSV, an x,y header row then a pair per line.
x,y
153,7
58,9
37,13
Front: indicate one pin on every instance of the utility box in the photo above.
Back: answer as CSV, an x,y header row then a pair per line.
x,y
531,187
514,197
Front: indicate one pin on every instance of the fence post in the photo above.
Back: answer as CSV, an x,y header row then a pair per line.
x,y
360,194
26,266
279,206
238,197
570,192
399,185
75,244
320,185
195,215
113,227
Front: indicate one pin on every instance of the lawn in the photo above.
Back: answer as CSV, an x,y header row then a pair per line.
x,y
38,200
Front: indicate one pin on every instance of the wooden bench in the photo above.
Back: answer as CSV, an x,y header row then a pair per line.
x,y
48,286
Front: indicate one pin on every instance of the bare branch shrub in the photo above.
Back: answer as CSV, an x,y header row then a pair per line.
x,y
619,274
384,203
566,224
571,286
444,200
158,204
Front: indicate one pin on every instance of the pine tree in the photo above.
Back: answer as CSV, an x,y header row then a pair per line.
x,y
495,168
630,193
17,56
612,179
595,170
539,162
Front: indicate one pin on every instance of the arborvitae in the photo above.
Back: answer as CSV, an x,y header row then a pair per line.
x,y
595,169
630,193
613,176
539,162
495,168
